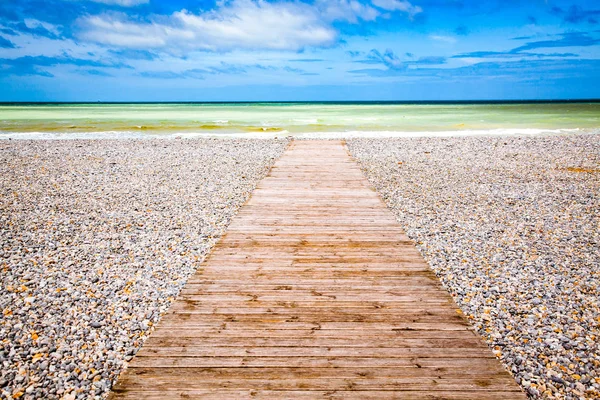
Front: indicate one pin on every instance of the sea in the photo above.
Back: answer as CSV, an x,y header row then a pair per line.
x,y
310,120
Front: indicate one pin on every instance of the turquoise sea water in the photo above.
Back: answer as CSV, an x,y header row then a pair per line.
x,y
282,119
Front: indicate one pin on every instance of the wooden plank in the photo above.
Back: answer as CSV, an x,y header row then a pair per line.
x,y
346,325
431,357
411,366
316,341
220,394
315,291
248,331
208,285
161,379
485,369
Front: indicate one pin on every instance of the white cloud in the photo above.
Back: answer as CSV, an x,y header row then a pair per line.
x,y
111,30
123,3
398,5
469,60
346,10
236,24
34,23
245,24
250,24
443,38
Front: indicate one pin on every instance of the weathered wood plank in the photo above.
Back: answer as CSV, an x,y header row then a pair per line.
x,y
161,379
447,373
247,331
315,291
220,394
419,356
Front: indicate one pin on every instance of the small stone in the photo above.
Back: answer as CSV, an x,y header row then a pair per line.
x,y
557,379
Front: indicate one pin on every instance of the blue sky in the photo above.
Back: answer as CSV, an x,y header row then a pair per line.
x,y
259,50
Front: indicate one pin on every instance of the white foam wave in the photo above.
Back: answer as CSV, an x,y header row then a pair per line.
x,y
269,134
306,121
75,135
478,132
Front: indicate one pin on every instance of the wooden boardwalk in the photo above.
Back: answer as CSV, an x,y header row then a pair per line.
x,y
315,292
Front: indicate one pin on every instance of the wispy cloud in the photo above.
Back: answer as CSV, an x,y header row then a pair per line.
x,y
307,60
376,72
506,71
355,53
569,39
523,37
387,58
163,75
576,15
8,31
24,70
6,44
398,5
32,27
93,72
225,68
443,38
187,74
220,69
346,10
35,25
293,70
430,60
123,3
510,54
133,54
391,61
30,65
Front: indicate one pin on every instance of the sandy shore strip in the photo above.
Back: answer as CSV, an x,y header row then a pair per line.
x,y
511,225
96,239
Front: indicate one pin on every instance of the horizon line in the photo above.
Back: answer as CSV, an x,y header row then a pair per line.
x,y
349,102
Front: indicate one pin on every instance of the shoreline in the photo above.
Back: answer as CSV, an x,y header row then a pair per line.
x,y
271,135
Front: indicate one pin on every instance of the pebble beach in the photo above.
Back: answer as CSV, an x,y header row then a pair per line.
x,y
97,237
511,225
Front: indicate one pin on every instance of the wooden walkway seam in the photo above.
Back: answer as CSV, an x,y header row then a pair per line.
x,y
314,292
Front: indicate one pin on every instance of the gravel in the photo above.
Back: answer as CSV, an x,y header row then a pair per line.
x,y
97,237
511,225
